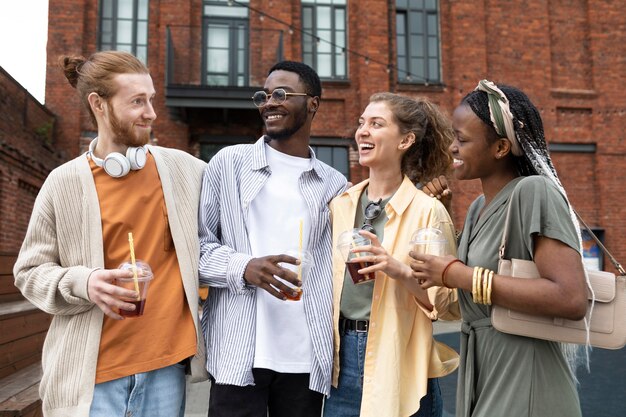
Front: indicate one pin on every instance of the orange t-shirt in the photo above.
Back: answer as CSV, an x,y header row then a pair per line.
x,y
165,334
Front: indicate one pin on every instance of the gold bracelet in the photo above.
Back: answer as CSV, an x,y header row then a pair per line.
x,y
479,289
485,278
479,286
489,286
474,282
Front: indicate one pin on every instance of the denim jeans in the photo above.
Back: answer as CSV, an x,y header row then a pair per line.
x,y
158,393
345,400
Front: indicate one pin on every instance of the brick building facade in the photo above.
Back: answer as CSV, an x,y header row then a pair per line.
x,y
27,155
207,57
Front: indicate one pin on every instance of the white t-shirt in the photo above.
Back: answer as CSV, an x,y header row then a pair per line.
x,y
283,342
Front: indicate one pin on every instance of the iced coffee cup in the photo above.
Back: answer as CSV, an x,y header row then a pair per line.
x,y
302,270
429,241
347,241
140,284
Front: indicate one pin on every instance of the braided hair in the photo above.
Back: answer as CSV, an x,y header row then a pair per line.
x,y
528,130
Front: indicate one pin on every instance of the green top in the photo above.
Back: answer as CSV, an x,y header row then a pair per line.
x,y
502,374
356,299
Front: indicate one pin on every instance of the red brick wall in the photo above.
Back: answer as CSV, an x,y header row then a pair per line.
x,y
566,54
27,154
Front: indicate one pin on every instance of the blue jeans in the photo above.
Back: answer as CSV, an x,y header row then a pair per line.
x,y
345,400
158,393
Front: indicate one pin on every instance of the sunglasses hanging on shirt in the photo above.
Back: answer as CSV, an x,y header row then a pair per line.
x,y
371,213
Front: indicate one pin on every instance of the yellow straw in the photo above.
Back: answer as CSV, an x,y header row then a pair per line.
x,y
132,260
300,251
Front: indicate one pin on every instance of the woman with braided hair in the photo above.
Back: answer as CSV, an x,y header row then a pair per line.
x,y
500,140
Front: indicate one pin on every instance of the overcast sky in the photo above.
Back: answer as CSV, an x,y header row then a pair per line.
x,y
23,35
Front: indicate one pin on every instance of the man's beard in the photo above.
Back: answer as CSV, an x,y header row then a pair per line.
x,y
287,132
125,135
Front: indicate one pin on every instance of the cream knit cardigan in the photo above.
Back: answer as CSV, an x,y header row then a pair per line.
x,y
63,245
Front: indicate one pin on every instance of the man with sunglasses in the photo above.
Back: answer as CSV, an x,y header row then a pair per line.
x,y
268,355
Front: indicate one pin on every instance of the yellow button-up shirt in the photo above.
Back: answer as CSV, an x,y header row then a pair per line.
x,y
401,353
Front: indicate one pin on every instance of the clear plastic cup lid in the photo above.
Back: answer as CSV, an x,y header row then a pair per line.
x,y
143,269
351,237
428,235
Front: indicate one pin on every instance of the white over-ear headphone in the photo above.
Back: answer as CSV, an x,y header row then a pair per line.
x,y
117,165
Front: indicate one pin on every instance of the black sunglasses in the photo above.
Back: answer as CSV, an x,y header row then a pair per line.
x,y
371,212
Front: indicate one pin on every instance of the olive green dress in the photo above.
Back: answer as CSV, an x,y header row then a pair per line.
x,y
503,375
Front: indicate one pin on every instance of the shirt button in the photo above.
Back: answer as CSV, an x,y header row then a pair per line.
x,y
372,324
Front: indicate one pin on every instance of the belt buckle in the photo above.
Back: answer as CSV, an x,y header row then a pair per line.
x,y
365,326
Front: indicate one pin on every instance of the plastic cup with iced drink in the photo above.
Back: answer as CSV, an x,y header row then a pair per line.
x,y
141,284
429,241
302,270
347,241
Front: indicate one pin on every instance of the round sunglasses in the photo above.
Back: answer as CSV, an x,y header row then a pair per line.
x,y
261,98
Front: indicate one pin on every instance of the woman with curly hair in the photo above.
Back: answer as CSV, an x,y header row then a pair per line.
x,y
386,362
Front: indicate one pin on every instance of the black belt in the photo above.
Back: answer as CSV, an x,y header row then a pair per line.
x,y
360,326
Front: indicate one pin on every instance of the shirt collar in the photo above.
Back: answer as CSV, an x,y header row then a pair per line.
x,y
259,160
402,197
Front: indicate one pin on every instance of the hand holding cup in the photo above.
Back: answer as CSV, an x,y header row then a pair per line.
x,y
103,291
349,240
141,276
428,246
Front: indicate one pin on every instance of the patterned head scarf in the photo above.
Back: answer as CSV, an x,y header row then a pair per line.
x,y
500,114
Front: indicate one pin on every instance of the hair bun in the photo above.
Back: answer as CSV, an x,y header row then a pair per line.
x,y
71,68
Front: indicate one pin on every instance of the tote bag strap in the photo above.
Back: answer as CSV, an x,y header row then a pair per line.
x,y
617,265
505,231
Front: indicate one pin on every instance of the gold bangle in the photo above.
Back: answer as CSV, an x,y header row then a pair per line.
x,y
474,282
477,294
489,286
485,278
481,290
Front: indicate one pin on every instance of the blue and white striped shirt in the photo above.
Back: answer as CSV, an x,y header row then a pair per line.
x,y
231,181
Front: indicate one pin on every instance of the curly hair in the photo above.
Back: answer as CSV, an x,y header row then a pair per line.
x,y
428,157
